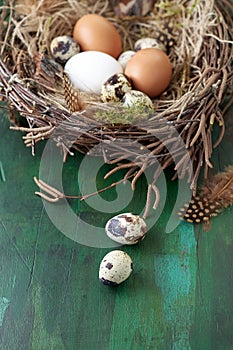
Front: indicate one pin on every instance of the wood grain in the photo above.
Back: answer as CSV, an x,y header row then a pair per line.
x,y
179,296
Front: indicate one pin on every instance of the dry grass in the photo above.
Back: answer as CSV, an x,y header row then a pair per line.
x,y
199,41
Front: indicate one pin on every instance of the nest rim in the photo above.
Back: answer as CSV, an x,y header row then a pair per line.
x,y
198,108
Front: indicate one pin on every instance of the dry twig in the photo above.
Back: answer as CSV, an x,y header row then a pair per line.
x,y
201,55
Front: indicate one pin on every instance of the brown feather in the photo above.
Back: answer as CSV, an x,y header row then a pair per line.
x,y
72,96
215,194
219,188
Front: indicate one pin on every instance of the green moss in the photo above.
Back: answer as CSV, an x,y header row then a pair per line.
x,y
124,115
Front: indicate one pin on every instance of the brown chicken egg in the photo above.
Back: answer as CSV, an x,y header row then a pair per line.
x,y
150,71
94,32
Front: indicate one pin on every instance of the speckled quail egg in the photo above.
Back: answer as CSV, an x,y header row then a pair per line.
x,y
63,47
145,43
124,58
135,97
115,268
115,88
126,228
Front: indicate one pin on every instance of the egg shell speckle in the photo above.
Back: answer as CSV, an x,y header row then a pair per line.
x,y
145,43
135,97
115,88
124,57
63,47
115,268
126,228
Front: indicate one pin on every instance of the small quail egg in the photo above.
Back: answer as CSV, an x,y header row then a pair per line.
x,y
145,43
63,47
126,228
124,58
135,97
115,267
115,88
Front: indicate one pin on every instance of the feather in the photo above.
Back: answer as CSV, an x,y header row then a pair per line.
x,y
219,188
215,194
72,95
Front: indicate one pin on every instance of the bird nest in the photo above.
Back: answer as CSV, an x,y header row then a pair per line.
x,y
198,37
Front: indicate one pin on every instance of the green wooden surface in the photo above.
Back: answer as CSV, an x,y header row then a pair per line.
x,y
179,296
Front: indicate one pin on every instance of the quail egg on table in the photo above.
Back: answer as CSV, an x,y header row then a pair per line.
x,y
124,57
145,43
63,47
126,228
115,88
115,268
135,97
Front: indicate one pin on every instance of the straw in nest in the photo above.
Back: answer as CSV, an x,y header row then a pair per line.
x,y
198,36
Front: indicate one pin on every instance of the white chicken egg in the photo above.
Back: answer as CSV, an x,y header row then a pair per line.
x,y
115,267
89,70
126,228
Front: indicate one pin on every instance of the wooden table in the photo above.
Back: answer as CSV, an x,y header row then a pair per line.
x,y
179,296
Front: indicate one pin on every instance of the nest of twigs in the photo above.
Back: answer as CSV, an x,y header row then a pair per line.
x,y
198,36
